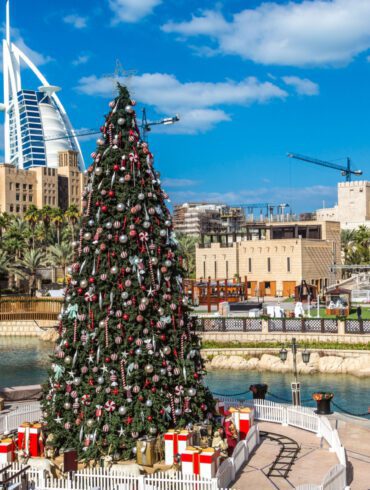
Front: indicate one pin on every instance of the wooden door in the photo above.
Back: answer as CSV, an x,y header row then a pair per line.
x,y
288,288
262,289
252,286
272,288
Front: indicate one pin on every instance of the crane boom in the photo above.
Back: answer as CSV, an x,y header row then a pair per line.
x,y
347,171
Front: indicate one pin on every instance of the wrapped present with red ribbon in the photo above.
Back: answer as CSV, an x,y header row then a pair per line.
x,y
7,448
29,439
220,407
175,442
202,462
243,419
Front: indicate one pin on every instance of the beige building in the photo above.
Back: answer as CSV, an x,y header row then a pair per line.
x,y
41,186
285,255
353,208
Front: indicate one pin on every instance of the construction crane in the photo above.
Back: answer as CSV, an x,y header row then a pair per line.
x,y
347,171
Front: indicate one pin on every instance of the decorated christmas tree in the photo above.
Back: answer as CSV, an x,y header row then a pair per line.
x,y
127,362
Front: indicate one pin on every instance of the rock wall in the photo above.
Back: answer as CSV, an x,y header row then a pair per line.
x,y
356,365
43,329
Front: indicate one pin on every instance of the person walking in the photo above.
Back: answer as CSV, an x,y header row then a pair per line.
x,y
359,312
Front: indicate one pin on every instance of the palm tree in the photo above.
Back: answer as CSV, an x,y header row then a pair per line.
x,y
57,218
27,266
187,245
5,221
72,214
60,256
16,239
4,262
46,213
32,215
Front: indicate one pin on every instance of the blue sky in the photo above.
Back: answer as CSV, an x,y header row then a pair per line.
x,y
250,80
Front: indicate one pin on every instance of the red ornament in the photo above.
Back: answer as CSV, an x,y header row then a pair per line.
x,y
80,291
196,375
116,167
126,316
163,337
104,209
130,338
91,382
97,204
154,389
143,288
108,359
203,407
115,391
149,418
140,398
129,420
132,233
91,280
164,363
111,193
140,318
94,298
161,411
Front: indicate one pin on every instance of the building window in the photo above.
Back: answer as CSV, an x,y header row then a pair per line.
x,y
249,265
30,198
24,187
17,197
17,186
288,264
24,197
17,208
267,285
268,264
11,208
30,187
24,209
10,186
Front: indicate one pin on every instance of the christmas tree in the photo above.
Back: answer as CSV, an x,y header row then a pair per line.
x,y
127,362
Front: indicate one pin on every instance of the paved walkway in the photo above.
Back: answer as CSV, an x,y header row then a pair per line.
x,y
313,461
355,437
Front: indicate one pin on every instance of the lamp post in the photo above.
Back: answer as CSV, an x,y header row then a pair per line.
x,y
146,126
296,386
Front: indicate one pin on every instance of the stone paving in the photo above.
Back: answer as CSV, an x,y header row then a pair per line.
x,y
313,461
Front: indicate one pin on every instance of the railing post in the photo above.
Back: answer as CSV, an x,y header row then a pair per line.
x,y
284,422
244,324
265,326
141,482
223,328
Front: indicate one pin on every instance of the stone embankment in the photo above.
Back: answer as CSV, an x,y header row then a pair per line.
x,y
335,364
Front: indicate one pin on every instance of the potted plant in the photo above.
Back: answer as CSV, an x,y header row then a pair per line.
x,y
323,399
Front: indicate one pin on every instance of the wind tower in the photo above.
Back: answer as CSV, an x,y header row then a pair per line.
x,y
36,126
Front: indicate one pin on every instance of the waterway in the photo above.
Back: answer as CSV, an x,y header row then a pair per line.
x,y
24,361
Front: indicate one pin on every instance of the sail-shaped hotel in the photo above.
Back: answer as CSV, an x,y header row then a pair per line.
x,y
37,133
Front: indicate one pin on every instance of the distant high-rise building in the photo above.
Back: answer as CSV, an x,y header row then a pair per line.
x,y
36,126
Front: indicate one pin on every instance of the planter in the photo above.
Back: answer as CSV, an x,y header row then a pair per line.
x,y
323,403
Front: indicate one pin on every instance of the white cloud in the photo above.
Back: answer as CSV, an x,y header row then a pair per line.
x,y
81,59
303,86
197,103
311,32
38,59
168,182
76,21
132,10
307,198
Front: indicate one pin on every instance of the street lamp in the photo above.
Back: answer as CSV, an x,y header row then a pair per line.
x,y
296,386
146,126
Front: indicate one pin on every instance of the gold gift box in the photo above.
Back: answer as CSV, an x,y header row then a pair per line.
x,y
145,452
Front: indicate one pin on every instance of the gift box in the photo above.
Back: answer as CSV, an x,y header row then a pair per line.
x,y
7,448
175,442
202,462
202,435
29,439
145,452
220,407
243,419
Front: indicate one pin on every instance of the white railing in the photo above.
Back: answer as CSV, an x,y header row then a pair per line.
x,y
242,452
335,479
23,413
302,417
105,479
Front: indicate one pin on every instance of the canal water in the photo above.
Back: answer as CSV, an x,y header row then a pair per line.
x,y
24,361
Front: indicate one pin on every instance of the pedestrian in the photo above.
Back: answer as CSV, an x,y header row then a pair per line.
x,y
359,312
